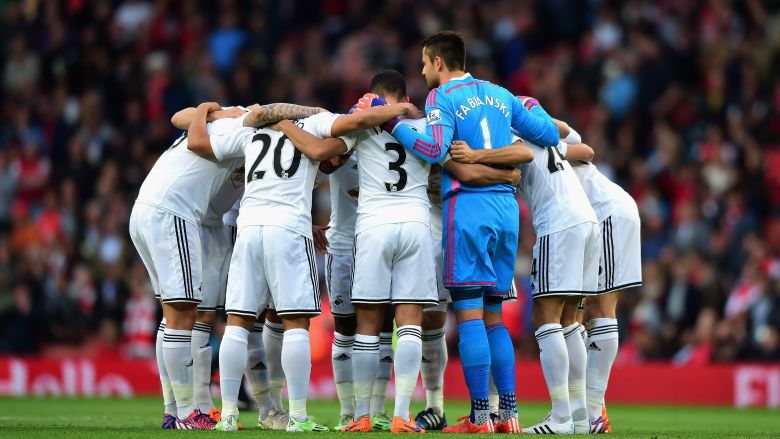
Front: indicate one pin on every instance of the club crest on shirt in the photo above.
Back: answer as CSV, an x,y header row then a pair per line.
x,y
433,117
237,177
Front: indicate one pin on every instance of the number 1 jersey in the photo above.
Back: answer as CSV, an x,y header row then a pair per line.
x,y
279,178
393,182
552,191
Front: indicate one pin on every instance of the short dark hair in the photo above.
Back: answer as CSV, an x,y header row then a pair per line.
x,y
449,46
389,82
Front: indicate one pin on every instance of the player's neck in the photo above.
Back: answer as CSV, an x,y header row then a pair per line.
x,y
448,76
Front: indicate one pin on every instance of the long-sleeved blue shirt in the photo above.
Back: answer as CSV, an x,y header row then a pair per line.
x,y
480,113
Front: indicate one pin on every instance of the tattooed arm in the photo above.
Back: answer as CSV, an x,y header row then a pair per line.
x,y
270,113
260,115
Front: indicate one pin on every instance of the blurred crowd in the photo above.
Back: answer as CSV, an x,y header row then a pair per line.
x,y
679,99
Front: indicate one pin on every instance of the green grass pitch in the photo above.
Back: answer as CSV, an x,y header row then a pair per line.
x,y
140,417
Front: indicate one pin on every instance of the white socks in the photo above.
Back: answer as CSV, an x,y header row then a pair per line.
x,y
578,360
168,399
201,366
602,350
341,357
256,371
407,366
232,362
555,365
383,374
273,336
434,360
365,363
177,354
296,362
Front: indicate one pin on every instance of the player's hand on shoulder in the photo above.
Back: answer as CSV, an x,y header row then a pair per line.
x,y
529,102
230,113
461,152
369,100
210,106
277,126
255,117
411,111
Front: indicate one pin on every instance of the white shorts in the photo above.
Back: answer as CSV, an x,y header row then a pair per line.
x,y
171,251
217,243
394,263
621,256
444,293
272,265
566,262
338,274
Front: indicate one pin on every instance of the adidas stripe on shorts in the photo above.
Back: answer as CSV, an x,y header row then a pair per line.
x,y
170,249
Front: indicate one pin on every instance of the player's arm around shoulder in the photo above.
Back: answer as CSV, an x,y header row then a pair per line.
x,y
372,116
577,151
311,146
183,117
481,175
510,155
533,123
197,135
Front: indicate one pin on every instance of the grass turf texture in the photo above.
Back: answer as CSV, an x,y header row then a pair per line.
x,y
140,417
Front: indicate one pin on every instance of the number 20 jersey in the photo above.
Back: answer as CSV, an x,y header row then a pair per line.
x,y
279,178
552,191
393,182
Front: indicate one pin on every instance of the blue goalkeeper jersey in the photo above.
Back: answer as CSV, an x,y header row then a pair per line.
x,y
479,113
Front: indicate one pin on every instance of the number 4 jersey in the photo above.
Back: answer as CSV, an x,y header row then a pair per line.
x,y
279,178
552,191
393,182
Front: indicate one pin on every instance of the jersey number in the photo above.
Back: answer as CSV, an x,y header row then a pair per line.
x,y
280,172
486,142
396,166
554,160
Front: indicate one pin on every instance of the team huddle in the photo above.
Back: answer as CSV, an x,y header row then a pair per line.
x,y
423,214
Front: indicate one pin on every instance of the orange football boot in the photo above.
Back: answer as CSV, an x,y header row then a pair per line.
x,y
512,426
466,426
606,419
401,426
363,425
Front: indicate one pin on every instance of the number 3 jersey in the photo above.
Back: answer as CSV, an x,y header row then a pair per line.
x,y
552,191
279,178
393,183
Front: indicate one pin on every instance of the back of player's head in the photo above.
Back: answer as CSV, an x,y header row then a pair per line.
x,y
389,83
449,46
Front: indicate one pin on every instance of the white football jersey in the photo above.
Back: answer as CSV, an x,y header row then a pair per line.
x,y
343,207
230,217
393,181
184,183
279,178
552,192
226,196
605,196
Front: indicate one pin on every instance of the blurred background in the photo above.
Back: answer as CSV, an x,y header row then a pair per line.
x,y
679,98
